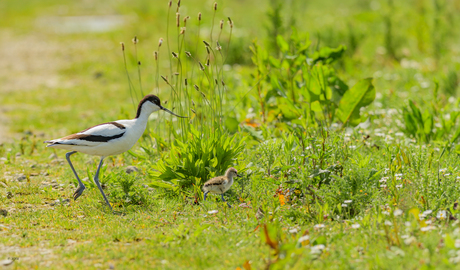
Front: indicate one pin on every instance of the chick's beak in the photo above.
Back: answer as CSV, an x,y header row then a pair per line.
x,y
166,110
239,175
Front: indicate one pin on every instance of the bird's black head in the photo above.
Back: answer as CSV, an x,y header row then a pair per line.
x,y
148,98
155,100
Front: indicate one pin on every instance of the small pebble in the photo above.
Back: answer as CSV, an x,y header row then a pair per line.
x,y
90,162
56,161
71,241
244,205
21,177
56,202
131,169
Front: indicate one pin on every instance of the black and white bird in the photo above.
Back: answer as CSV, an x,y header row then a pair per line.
x,y
108,139
220,184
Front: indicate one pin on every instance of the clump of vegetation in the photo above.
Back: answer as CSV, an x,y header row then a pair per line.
x,y
302,84
126,190
191,163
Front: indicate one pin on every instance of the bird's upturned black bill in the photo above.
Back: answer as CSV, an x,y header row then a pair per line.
x,y
239,175
166,110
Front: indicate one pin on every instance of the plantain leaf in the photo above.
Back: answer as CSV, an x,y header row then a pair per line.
x,y
416,112
328,55
410,122
282,44
360,95
232,124
427,122
288,112
456,135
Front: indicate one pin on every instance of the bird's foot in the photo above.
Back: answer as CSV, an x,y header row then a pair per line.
x,y
229,206
78,192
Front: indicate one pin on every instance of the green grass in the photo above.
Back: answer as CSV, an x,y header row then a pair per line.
x,y
187,236
353,196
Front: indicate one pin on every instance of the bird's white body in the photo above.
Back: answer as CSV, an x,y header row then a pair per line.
x,y
130,134
107,139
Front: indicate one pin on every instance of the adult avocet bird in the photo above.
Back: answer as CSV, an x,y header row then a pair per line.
x,y
220,184
108,139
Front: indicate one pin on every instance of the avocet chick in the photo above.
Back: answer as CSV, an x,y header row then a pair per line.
x,y
220,184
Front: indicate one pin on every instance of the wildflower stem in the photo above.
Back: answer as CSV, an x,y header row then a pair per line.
x,y
129,79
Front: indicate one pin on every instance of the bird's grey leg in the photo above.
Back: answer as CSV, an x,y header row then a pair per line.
x,y
205,194
81,187
96,181
222,196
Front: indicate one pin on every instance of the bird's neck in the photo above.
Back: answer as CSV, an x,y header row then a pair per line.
x,y
230,179
143,113
142,118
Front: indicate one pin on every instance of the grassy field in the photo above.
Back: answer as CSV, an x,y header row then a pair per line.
x,y
342,117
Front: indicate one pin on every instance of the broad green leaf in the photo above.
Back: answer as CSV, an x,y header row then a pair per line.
x,y
328,55
410,122
316,106
328,93
416,112
457,149
360,95
231,124
456,135
276,63
288,111
255,134
316,80
338,88
282,44
427,122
